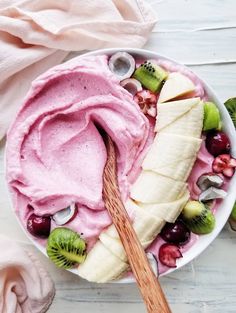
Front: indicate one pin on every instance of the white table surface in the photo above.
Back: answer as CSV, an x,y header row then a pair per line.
x,y
201,34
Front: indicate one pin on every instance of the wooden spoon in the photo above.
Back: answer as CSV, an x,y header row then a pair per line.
x,y
149,286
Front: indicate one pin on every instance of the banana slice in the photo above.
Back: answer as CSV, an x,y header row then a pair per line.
x,y
176,85
151,187
169,112
167,211
172,155
147,226
101,265
190,124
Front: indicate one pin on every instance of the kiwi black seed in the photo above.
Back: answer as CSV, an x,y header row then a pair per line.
x,y
198,217
230,105
66,248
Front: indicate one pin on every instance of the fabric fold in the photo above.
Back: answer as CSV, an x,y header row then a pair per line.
x,y
36,35
25,286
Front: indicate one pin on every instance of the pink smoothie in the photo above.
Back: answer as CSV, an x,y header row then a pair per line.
x,y
55,153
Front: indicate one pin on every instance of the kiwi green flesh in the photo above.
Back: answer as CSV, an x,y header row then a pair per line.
x,y
150,76
211,117
230,105
198,218
65,247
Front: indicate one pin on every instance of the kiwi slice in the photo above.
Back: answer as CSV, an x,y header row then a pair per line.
x,y
150,76
65,247
211,117
230,105
198,217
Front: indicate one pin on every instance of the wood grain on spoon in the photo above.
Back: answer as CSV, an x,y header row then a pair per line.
x,y
149,286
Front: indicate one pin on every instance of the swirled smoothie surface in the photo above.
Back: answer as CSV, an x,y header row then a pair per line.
x,y
55,152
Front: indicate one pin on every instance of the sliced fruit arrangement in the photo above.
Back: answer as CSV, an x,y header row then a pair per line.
x,y
160,192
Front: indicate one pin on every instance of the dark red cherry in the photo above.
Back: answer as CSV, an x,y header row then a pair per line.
x,y
217,143
176,232
39,226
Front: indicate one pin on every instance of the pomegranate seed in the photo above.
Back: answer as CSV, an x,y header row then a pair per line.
x,y
224,164
146,100
168,253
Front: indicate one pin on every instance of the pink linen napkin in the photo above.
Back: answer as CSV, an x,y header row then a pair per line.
x,y
25,287
35,35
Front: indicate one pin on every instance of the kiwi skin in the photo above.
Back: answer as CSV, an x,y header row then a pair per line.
x,y
233,213
65,247
198,217
230,105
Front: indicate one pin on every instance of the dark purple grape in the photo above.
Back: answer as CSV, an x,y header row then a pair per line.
x,y
175,233
39,226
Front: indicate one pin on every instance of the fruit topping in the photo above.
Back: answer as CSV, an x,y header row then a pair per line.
x,y
39,226
153,262
147,100
217,142
176,232
211,117
230,105
232,219
175,86
209,180
132,85
212,193
224,164
66,248
66,215
150,76
168,253
122,64
198,218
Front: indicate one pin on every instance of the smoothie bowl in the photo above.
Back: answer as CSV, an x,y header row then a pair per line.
x,y
175,154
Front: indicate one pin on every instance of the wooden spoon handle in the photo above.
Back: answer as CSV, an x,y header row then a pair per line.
x,y
148,284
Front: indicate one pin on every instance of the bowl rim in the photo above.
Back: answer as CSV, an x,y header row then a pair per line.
x,y
225,208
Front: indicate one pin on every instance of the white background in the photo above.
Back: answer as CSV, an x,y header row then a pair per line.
x,y
201,34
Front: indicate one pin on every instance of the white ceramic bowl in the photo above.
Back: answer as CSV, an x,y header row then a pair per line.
x,y
225,208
